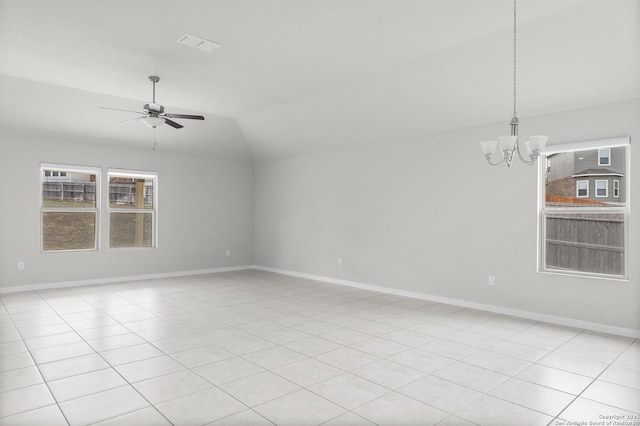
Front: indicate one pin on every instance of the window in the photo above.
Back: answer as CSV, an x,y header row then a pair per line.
x,y
604,157
132,208
602,188
582,188
69,207
583,233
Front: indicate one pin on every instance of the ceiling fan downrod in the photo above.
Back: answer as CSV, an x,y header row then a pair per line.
x,y
154,79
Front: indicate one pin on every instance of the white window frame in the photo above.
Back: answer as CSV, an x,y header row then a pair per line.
x,y
136,174
543,210
608,163
606,188
96,209
578,182
616,188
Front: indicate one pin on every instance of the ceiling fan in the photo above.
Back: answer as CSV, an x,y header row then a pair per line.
x,y
153,114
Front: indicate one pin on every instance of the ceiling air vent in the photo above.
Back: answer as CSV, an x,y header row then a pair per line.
x,y
198,43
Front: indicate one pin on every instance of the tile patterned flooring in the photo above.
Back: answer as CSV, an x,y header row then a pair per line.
x,y
256,348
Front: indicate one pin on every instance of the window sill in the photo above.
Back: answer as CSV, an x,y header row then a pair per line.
x,y
577,274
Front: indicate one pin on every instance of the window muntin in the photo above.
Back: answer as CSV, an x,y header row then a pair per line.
x,y
602,188
582,188
132,209
69,205
604,157
584,233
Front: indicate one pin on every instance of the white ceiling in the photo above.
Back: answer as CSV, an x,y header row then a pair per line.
x,y
304,75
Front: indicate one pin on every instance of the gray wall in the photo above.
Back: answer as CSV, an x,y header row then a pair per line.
x,y
431,216
205,207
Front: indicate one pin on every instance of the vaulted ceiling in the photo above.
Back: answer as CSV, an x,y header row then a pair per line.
x,y
305,75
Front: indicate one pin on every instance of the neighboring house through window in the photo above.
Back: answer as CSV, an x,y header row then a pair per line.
x,y
588,165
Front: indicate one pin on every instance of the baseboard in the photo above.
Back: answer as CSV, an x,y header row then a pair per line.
x,y
112,280
535,316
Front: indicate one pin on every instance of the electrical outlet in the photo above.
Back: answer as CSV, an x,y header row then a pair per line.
x,y
20,266
228,252
492,280
339,261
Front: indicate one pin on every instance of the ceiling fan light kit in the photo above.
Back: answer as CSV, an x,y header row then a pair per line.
x,y
509,145
152,122
153,114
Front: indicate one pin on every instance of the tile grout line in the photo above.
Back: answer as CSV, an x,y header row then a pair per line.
x,y
36,364
100,355
177,361
345,346
553,417
278,291
593,381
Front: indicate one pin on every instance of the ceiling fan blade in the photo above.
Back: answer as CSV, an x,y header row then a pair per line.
x,y
173,124
191,117
131,119
124,110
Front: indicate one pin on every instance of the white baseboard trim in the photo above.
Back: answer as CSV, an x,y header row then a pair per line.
x,y
112,280
535,316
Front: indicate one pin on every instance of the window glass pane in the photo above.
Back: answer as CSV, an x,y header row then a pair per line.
x,y
583,188
603,157
569,175
123,193
585,242
72,190
68,230
130,229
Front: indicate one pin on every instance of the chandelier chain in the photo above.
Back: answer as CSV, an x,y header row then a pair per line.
x,y
528,151
514,59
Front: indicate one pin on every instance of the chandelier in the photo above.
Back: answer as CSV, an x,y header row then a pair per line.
x,y
509,145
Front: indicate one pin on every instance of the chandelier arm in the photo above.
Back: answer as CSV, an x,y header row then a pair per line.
x,y
495,164
527,162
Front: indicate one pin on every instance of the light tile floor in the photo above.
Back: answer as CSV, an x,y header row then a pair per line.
x,y
256,348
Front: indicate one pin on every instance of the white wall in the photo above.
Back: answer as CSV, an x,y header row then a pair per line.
x,y
431,216
205,207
